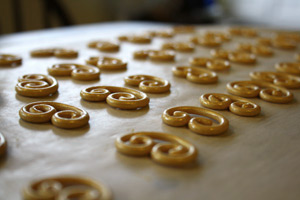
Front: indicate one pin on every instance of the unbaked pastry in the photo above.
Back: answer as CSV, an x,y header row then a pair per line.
x,y
118,97
61,115
171,151
36,85
204,124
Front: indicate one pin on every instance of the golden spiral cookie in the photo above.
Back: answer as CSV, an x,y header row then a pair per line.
x,y
118,97
243,31
277,78
288,67
195,74
199,61
223,36
205,124
162,34
76,71
2,145
141,54
235,104
293,36
262,50
162,55
155,55
266,91
184,29
242,46
258,49
104,46
61,115
284,44
107,63
10,60
149,84
219,53
65,188
179,46
138,39
218,65
242,57
208,41
171,151
57,52
36,85
214,64
264,41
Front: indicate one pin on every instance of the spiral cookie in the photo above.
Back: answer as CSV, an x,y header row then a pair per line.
x,y
36,85
155,55
242,57
104,46
118,97
76,71
137,39
277,78
243,31
204,124
107,63
235,104
149,84
57,52
171,151
258,49
214,64
10,60
61,115
179,46
266,91
162,34
195,74
66,187
288,67
208,41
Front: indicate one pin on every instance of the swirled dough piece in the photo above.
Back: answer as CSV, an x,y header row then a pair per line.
x,y
242,57
36,85
195,74
65,188
61,115
277,78
179,46
243,31
118,97
104,46
266,91
57,52
288,67
10,60
214,64
155,55
107,63
172,151
76,71
204,124
137,39
148,84
237,105
258,49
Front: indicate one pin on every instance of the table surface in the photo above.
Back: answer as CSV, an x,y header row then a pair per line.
x,y
257,158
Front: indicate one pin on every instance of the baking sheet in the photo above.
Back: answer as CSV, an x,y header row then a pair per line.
x,y
257,158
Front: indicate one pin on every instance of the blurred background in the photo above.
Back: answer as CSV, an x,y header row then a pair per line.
x,y
25,15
